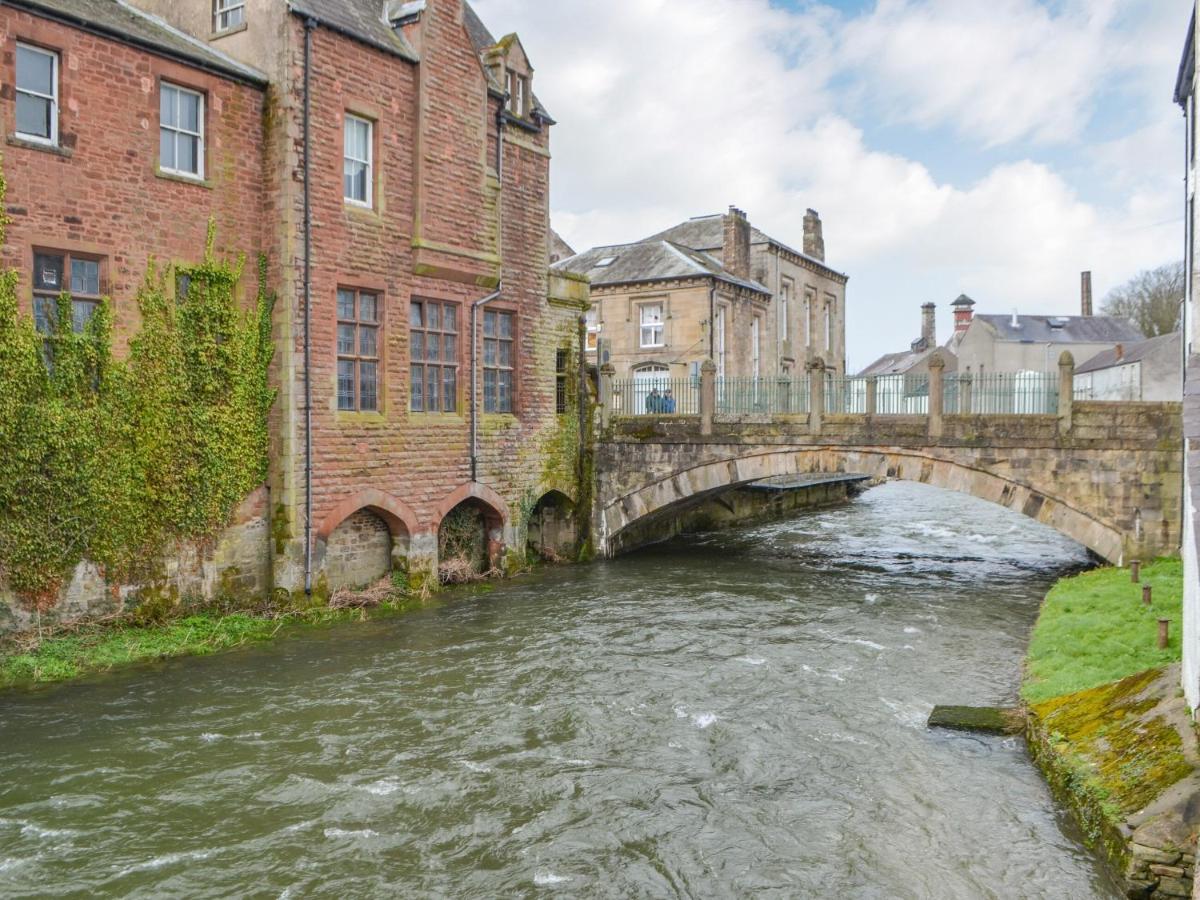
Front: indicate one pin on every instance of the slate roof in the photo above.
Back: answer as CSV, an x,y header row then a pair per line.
x,y
122,22
894,363
360,19
1131,353
1073,330
650,261
708,233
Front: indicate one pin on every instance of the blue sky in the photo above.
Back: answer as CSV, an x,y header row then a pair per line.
x,y
992,147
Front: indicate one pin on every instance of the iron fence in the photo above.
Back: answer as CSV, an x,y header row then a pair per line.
x,y
1018,393
845,394
656,396
766,396
901,395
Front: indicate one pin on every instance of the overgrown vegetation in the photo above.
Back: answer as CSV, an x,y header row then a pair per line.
x,y
110,459
462,545
74,650
1094,629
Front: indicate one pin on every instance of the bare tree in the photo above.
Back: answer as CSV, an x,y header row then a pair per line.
x,y
1152,300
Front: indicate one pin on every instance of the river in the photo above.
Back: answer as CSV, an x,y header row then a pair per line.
x,y
734,715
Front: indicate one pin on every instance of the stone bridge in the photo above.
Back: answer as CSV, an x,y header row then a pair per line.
x,y
1107,475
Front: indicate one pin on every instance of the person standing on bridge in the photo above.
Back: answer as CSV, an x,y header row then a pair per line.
x,y
654,402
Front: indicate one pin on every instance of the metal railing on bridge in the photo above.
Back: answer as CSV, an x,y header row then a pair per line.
x,y
763,396
1021,393
656,396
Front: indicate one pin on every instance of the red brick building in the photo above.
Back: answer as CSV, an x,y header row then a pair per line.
x,y
393,162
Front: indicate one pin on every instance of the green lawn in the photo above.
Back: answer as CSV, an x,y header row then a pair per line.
x,y
1093,629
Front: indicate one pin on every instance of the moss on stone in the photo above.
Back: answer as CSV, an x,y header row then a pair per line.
x,y
1108,752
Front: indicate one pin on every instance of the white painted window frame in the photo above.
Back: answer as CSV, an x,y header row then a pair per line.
x,y
52,141
660,327
369,161
178,129
223,9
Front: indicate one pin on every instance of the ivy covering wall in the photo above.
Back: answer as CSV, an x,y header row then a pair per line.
x,y
110,460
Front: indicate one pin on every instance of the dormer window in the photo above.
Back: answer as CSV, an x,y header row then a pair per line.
x,y
518,94
228,14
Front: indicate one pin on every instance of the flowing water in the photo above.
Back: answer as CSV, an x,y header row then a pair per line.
x,y
737,715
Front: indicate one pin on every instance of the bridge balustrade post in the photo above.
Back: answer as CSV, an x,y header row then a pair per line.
x,y
607,371
937,373
872,396
965,383
1066,391
816,395
708,396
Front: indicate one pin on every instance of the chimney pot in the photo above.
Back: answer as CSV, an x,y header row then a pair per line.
x,y
1120,348
929,325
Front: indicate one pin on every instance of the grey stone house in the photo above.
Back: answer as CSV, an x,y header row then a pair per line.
x,y
1150,370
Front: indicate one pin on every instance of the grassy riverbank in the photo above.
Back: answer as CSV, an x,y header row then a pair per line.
x,y
73,651
1108,726
1093,630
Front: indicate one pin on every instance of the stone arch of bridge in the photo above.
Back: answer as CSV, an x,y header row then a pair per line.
x,y
710,478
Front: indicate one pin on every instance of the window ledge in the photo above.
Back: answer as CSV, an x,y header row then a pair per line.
x,y
346,417
415,417
15,140
362,212
236,29
182,179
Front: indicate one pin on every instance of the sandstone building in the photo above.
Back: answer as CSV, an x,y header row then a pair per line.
x,y
714,287
392,162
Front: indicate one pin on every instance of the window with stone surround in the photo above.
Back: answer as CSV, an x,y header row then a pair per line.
x,y
433,351
37,94
518,94
228,14
56,272
650,316
180,131
357,351
593,330
499,336
785,296
357,165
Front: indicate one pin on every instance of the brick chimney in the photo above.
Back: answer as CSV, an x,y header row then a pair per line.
x,y
964,311
814,238
736,248
929,325
1086,294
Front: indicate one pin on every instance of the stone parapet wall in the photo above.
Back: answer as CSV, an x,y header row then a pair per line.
x,y
1112,481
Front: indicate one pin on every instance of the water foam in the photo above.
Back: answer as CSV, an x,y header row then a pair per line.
x,y
546,879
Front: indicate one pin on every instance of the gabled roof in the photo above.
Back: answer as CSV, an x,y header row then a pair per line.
x,y
1131,353
122,22
362,20
904,362
650,261
484,40
1187,65
708,233
1064,329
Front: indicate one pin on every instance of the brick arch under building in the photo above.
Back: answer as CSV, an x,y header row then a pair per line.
x,y
492,509
660,495
363,538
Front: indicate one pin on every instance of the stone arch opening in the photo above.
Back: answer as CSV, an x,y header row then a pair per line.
x,y
359,551
470,541
656,498
552,534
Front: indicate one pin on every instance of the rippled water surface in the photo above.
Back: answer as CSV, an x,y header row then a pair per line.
x,y
727,716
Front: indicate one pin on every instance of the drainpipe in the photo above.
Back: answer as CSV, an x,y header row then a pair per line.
x,y
712,322
484,301
309,25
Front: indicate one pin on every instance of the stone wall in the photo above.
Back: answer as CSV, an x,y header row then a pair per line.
x,y
1112,481
359,552
235,566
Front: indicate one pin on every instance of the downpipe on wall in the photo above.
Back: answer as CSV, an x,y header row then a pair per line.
x,y
309,25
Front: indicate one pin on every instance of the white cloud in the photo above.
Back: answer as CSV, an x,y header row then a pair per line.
x,y
669,110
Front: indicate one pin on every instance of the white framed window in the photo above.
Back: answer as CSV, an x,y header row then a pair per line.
x,y
755,346
180,131
593,330
719,341
652,332
357,167
830,311
228,14
518,94
785,296
37,94
809,320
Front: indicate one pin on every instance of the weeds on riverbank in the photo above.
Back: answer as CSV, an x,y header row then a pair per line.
x,y
70,651
1094,629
